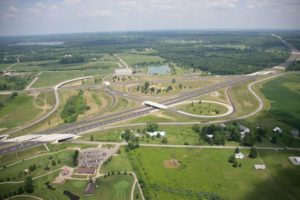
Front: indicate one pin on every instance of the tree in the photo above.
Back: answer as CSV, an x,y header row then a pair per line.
x,y
237,150
169,88
152,89
75,158
232,159
126,135
20,190
235,164
196,128
53,163
219,138
180,86
261,132
164,140
173,80
253,152
274,140
91,138
249,139
151,127
28,185
146,86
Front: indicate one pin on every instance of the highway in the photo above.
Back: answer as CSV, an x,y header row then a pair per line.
x,y
110,119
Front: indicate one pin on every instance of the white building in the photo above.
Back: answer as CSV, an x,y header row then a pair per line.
x,y
260,166
107,83
244,130
155,133
210,136
295,160
120,72
239,155
277,130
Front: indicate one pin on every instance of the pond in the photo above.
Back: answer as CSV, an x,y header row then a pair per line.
x,y
160,70
71,195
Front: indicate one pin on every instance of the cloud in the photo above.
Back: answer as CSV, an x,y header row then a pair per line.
x,y
13,9
96,13
72,2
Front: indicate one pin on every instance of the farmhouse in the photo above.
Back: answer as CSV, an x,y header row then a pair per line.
x,y
244,130
295,160
277,130
260,166
155,133
239,155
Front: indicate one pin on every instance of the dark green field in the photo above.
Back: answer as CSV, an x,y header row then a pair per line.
x,y
284,94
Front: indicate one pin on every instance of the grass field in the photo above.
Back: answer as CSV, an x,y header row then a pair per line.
x,y
49,65
284,94
202,108
207,170
16,172
139,59
18,111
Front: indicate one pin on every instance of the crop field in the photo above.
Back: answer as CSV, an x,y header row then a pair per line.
x,y
284,95
208,172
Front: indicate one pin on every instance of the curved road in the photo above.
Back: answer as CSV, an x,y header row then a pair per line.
x,y
57,102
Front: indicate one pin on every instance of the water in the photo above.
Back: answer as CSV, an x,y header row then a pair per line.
x,y
160,70
40,43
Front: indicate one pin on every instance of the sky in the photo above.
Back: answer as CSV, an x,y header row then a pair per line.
x,y
27,17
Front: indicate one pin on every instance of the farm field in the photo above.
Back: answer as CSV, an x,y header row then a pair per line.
x,y
208,171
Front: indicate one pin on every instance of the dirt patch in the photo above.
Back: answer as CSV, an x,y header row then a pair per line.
x,y
173,163
215,94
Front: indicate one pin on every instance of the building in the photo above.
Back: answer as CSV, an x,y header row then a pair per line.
x,y
277,130
107,83
295,160
120,72
239,155
243,131
155,133
210,136
260,166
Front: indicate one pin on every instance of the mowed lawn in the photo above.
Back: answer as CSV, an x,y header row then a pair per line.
x,y
133,59
284,94
208,170
52,78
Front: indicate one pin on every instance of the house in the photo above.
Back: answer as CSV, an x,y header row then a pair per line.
x,y
295,160
260,166
210,136
244,130
155,133
295,132
239,155
277,130
107,83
